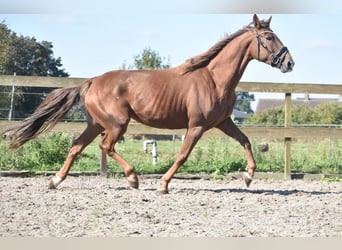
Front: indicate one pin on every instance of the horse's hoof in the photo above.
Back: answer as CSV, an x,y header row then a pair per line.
x,y
247,178
162,191
54,182
51,185
133,184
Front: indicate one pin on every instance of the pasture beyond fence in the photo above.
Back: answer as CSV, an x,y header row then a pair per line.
x,y
287,132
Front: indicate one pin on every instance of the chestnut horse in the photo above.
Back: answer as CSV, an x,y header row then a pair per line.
x,y
197,95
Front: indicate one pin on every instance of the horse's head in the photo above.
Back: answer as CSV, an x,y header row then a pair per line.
x,y
268,48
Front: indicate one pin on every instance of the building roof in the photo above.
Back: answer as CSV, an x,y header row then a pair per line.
x,y
239,114
264,104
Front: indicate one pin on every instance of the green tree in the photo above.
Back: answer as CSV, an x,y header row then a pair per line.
x,y
328,113
23,55
5,47
273,116
243,102
302,114
148,59
325,113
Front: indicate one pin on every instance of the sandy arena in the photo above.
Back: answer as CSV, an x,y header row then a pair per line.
x,y
95,206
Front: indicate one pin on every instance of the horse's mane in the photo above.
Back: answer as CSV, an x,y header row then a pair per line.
x,y
203,59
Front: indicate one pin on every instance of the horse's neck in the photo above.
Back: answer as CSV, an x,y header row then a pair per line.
x,y
229,65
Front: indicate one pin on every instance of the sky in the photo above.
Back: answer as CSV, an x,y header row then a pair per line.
x,y
99,36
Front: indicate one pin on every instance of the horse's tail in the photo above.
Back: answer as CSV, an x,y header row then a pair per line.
x,y
55,106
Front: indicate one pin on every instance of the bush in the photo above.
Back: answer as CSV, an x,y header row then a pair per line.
x,y
216,156
328,113
274,116
302,114
325,113
45,153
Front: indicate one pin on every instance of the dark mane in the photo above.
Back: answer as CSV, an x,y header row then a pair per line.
x,y
204,59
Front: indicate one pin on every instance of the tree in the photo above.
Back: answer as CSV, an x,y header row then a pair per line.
x,y
324,113
243,102
273,116
328,113
23,55
26,56
302,114
5,47
148,59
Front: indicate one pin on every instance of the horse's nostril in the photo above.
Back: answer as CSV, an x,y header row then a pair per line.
x,y
290,64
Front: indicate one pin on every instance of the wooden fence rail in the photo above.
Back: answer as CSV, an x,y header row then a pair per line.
x,y
287,132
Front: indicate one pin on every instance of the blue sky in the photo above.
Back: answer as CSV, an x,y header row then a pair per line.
x,y
94,38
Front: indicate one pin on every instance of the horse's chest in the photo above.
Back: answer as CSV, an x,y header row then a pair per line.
x,y
217,111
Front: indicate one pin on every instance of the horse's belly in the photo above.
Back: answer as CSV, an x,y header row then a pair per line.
x,y
168,121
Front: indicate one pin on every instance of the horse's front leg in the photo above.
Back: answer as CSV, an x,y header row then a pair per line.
x,y
190,140
229,128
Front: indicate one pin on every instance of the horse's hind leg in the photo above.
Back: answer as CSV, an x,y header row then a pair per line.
x,y
88,135
111,136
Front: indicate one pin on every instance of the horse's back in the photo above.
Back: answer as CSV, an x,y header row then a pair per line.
x,y
153,97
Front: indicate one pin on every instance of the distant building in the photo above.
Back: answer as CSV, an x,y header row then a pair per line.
x,y
239,115
264,104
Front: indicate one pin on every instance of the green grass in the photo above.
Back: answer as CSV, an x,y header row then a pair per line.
x,y
212,155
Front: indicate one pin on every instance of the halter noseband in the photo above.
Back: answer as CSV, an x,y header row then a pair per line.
x,y
276,58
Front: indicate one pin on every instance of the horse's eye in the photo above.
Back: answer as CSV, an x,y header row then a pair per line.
x,y
269,38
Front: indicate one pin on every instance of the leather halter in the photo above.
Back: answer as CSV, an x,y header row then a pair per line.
x,y
276,58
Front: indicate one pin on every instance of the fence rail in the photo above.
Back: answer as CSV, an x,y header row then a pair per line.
x,y
258,132
271,87
287,132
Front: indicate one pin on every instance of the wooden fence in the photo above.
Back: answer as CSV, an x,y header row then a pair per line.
x,y
287,132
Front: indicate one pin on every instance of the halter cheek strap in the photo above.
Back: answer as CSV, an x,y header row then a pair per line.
x,y
276,58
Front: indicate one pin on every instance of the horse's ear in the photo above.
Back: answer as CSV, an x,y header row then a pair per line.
x,y
268,21
256,22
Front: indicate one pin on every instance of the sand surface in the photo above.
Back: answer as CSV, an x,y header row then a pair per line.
x,y
95,206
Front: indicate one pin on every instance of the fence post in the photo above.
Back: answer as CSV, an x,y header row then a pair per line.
x,y
10,114
287,140
103,161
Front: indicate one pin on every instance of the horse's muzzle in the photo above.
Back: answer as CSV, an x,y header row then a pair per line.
x,y
287,66
282,60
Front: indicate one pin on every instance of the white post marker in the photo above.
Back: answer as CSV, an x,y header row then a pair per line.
x,y
154,150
